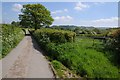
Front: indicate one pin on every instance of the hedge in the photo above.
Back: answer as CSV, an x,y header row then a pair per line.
x,y
54,35
11,36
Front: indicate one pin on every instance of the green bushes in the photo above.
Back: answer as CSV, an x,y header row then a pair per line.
x,y
113,45
10,38
80,56
53,35
83,60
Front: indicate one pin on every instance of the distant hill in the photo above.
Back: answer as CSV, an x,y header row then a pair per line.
x,y
64,26
73,27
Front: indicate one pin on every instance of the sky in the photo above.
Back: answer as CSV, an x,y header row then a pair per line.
x,y
97,14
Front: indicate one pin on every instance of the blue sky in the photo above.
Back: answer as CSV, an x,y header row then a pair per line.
x,y
98,14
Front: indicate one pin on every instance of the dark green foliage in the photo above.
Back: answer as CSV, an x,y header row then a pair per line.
x,y
97,31
113,45
79,56
35,15
15,23
85,61
90,32
52,35
11,36
78,31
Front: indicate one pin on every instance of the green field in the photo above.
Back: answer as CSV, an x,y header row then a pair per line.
x,y
84,57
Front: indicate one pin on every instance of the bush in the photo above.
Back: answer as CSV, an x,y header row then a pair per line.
x,y
10,38
84,61
113,45
79,56
53,35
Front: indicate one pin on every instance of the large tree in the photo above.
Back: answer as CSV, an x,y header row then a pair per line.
x,y
35,15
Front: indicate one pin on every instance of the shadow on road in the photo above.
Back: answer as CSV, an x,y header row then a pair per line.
x,y
27,35
36,46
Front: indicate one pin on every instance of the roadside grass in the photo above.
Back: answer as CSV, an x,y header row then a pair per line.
x,y
62,71
84,57
0,56
11,36
1,49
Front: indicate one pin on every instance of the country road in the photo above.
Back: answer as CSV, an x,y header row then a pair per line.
x,y
26,61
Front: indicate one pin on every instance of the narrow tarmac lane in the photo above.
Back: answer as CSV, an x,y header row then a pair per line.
x,y
26,61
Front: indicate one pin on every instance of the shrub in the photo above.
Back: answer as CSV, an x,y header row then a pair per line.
x,y
53,35
113,45
84,61
10,38
79,56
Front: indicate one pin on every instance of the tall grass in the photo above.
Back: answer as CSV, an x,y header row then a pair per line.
x,y
83,58
11,36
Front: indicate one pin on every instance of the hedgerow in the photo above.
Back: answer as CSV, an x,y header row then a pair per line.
x,y
79,56
113,45
54,35
11,36
85,61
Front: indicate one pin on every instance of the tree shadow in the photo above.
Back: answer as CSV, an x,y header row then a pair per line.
x,y
37,46
27,35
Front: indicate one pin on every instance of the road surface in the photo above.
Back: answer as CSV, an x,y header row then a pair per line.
x,y
26,61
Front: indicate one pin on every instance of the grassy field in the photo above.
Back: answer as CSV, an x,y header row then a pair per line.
x,y
84,57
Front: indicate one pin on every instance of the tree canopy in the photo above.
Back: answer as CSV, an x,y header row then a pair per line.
x,y
15,23
35,15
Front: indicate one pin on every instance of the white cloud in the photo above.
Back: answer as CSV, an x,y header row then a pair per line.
x,y
59,11
105,22
113,21
66,10
79,6
17,7
97,3
63,19
108,20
